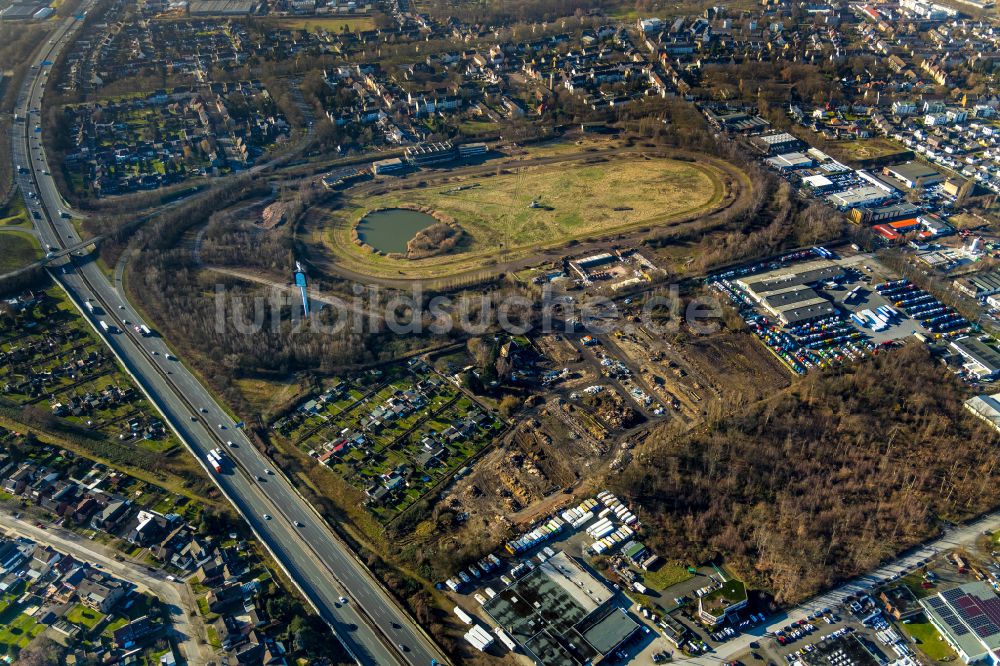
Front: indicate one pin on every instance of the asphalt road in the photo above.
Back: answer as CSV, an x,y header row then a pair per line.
x,y
175,595
952,538
370,624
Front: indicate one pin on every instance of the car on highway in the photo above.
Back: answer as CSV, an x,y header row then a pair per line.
x,y
342,600
402,648
222,427
203,410
229,443
260,478
297,523
267,516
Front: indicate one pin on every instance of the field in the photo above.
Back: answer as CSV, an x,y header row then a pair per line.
x,y
525,209
864,149
331,24
17,250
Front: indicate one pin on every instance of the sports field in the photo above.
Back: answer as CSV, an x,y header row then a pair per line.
x,y
524,209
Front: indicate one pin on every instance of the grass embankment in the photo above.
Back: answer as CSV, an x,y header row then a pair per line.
x,y
17,250
15,213
527,209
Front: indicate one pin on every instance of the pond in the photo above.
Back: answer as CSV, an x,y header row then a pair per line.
x,y
391,229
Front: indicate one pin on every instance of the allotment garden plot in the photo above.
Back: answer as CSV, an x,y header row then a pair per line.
x,y
393,436
52,362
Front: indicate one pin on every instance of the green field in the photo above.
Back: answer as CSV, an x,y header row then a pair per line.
x,y
929,640
17,250
574,200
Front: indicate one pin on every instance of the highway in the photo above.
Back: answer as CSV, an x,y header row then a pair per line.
x,y
953,537
369,623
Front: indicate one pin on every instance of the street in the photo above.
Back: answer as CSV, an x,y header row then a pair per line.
x,y
176,596
371,625
953,537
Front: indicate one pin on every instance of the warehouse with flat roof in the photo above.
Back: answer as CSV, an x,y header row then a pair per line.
x,y
982,359
785,293
868,195
986,407
968,618
561,614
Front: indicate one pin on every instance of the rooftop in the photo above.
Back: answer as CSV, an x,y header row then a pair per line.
x,y
731,593
969,615
559,613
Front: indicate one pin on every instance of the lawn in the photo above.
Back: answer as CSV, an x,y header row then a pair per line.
x,y
929,640
478,127
17,250
20,631
84,617
535,207
666,576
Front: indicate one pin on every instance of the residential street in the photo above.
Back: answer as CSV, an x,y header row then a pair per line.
x,y
186,629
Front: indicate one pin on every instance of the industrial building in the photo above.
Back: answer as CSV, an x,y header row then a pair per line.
x,y
980,358
913,174
472,149
986,407
585,267
857,197
562,615
903,210
387,166
968,618
222,7
785,293
790,161
430,153
979,285
730,597
776,144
